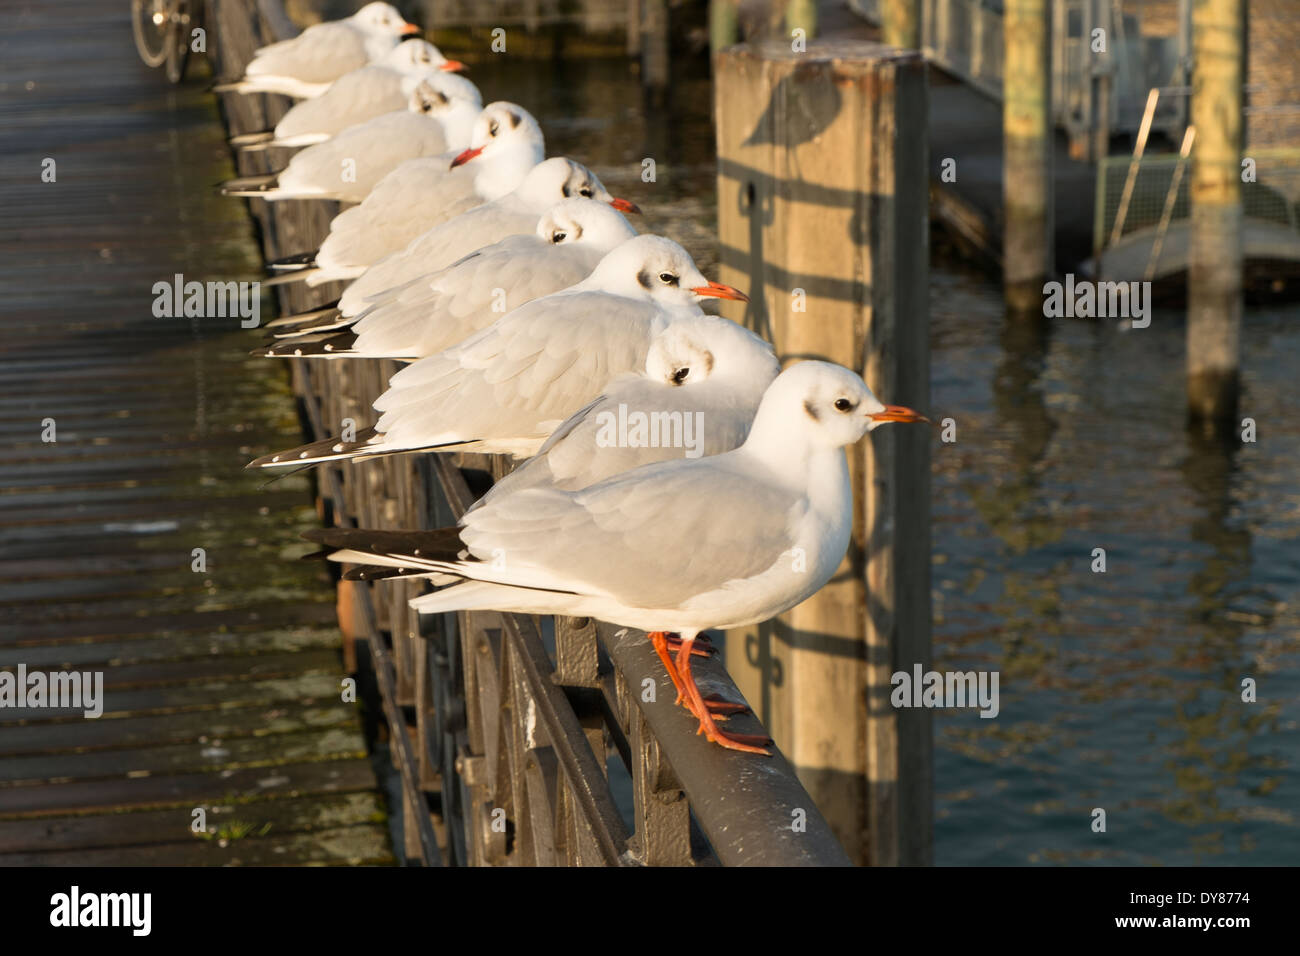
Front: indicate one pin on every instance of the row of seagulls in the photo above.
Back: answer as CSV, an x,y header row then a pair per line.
x,y
532,317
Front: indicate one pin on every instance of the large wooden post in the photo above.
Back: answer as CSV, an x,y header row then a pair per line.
x,y
1026,154
1214,267
822,215
901,23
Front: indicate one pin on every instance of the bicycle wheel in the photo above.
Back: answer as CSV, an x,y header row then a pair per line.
x,y
150,20
178,40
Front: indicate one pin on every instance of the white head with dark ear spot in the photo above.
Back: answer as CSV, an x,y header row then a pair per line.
x,y
497,128
562,178
382,19
699,349
426,99
825,404
416,57
586,221
658,269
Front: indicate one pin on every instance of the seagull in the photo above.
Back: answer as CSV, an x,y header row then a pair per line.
x,y
348,166
359,96
506,388
433,313
420,193
675,546
517,213
306,65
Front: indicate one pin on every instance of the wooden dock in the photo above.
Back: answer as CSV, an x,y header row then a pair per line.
x,y
221,687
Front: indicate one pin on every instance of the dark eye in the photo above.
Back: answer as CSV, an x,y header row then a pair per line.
x,y
558,236
667,278
492,130
843,404
679,376
585,191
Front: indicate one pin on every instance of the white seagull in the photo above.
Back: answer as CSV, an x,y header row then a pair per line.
x,y
517,213
306,65
359,96
506,388
421,193
435,312
676,546
347,167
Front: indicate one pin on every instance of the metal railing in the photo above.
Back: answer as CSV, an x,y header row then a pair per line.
x,y
1156,184
513,735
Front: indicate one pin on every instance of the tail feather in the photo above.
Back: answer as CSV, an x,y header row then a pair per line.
x,y
301,318
438,544
332,321
333,449
245,140
293,263
250,185
334,345
286,278
327,449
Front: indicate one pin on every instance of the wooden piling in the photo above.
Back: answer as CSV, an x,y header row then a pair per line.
x,y
1215,257
1026,155
654,47
822,198
723,24
901,23
801,15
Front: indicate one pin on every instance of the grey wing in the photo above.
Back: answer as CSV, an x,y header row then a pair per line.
x,y
652,538
682,423
402,205
536,472
522,376
320,54
354,98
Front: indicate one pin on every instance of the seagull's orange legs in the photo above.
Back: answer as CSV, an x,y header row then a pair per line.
x,y
662,641
749,743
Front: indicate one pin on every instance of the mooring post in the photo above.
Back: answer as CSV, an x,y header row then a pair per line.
x,y
801,15
822,216
1215,256
901,23
723,25
1026,155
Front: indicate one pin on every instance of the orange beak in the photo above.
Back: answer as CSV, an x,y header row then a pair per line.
x,y
719,291
622,205
409,28
454,66
465,157
898,413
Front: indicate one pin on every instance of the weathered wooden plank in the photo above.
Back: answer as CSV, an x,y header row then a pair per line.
x,y
194,756
188,789
365,845
151,827
200,726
